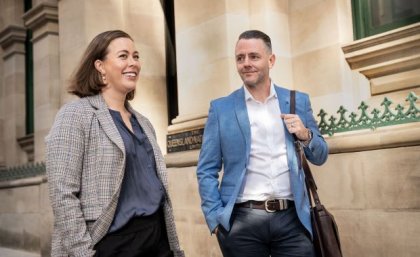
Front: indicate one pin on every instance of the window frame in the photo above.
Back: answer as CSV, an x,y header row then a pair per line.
x,y
362,20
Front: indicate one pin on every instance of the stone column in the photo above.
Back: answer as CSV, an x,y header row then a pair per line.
x,y
43,21
12,41
2,120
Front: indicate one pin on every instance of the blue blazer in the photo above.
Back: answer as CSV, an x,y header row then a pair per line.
x,y
226,144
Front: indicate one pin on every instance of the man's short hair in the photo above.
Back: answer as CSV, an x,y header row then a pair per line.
x,y
256,34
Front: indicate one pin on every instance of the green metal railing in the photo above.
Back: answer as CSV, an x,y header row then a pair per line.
x,y
24,171
373,121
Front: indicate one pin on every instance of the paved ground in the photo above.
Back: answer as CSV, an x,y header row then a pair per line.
x,y
7,252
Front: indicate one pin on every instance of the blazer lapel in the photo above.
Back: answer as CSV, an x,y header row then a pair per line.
x,y
243,120
244,125
106,121
102,224
283,95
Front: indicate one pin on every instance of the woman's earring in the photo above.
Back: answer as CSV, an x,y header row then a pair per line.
x,y
103,78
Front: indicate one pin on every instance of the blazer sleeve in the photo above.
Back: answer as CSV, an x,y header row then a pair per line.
x,y
64,164
208,168
317,150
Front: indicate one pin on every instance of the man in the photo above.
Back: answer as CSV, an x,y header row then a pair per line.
x,y
261,207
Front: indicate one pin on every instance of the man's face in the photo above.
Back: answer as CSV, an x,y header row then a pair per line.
x,y
253,61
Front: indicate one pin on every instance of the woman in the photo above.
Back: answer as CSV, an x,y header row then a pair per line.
x,y
106,173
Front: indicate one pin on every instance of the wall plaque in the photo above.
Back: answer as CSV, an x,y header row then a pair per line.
x,y
184,141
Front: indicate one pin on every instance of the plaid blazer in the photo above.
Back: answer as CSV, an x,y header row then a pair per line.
x,y
85,162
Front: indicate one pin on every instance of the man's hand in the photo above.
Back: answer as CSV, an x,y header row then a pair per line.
x,y
295,126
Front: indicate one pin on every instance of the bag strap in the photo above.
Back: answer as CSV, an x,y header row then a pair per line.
x,y
309,179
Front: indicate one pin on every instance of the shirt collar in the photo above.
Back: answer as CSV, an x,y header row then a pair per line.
x,y
248,95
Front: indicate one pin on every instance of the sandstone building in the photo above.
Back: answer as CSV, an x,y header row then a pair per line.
x,y
361,55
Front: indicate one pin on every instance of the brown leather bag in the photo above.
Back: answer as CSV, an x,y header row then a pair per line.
x,y
325,232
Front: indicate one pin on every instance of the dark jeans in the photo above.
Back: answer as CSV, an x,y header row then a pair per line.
x,y
140,237
257,233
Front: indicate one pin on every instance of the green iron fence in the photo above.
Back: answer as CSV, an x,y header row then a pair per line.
x,y
24,171
376,118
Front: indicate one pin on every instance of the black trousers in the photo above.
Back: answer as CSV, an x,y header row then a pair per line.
x,y
257,233
140,237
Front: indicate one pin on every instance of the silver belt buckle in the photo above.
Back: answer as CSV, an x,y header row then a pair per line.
x,y
266,206
282,204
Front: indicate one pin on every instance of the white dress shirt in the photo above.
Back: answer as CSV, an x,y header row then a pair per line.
x,y
267,175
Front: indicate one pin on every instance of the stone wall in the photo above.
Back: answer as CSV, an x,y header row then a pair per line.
x,y
373,193
26,218
375,197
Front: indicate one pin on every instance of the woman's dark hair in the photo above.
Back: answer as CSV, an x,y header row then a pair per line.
x,y
86,80
256,34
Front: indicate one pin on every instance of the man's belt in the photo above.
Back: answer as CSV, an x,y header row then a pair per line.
x,y
272,205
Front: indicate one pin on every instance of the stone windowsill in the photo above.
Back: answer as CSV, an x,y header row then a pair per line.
x,y
23,182
390,60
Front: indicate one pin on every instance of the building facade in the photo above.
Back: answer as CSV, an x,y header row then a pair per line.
x,y
360,55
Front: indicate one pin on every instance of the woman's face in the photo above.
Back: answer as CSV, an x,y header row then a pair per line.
x,y
121,66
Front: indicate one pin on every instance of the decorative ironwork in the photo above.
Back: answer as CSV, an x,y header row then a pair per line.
x,y
25,171
373,121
